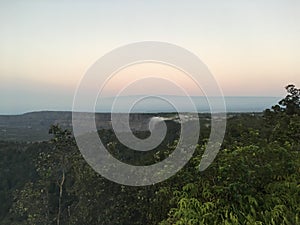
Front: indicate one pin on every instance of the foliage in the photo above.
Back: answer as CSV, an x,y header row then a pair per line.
x,y
255,178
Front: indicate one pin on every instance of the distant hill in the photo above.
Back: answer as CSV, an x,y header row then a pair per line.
x,y
34,126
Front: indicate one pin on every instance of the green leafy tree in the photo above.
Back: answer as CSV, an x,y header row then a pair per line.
x,y
291,103
47,200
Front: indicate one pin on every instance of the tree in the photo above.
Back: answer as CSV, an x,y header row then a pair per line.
x,y
60,158
47,199
291,103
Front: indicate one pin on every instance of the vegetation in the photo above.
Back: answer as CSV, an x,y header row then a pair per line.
x,y
255,178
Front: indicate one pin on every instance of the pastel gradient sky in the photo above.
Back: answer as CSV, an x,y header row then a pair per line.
x,y
251,47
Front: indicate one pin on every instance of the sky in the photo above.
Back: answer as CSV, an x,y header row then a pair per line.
x,y
251,47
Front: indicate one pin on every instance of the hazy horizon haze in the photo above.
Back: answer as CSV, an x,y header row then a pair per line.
x,y
251,47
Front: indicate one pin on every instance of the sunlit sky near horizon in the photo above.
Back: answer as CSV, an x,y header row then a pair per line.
x,y
251,47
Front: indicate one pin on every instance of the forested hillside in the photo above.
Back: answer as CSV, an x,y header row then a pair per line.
x,y
255,178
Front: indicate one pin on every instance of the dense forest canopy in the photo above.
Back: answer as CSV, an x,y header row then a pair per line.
x,y
255,178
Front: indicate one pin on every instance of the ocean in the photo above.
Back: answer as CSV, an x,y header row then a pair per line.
x,y
154,104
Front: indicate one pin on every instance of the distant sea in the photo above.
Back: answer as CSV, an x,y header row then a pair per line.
x,y
155,104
